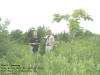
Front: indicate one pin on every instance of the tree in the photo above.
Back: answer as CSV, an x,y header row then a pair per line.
x,y
41,31
17,35
62,37
4,41
73,22
28,34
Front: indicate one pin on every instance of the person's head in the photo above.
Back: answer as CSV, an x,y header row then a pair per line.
x,y
49,32
35,34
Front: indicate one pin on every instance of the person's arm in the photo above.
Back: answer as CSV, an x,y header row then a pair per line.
x,y
53,43
37,43
32,43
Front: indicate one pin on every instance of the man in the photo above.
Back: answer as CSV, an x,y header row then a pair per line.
x,y
49,41
34,43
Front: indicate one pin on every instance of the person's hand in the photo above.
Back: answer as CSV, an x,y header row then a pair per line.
x,y
52,49
34,43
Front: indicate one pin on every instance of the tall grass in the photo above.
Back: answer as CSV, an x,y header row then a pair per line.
x,y
82,59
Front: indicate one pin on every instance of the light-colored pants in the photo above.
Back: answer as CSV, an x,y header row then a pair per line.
x,y
48,48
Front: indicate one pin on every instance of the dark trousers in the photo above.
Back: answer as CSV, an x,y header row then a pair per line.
x,y
35,50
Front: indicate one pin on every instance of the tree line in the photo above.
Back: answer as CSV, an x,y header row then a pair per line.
x,y
17,36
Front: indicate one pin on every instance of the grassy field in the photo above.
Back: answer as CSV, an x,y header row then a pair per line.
x,y
82,59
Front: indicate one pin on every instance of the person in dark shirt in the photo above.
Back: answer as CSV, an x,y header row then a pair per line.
x,y
34,43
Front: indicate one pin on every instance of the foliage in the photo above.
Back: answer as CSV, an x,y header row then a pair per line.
x,y
83,59
73,20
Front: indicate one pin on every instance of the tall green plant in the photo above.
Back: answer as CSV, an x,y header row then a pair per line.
x,y
73,22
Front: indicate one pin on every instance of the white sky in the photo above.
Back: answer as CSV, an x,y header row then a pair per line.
x,y
33,13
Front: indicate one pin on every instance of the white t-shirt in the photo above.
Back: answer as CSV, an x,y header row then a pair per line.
x,y
49,40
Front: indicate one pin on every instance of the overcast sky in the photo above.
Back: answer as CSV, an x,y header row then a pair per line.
x,y
33,13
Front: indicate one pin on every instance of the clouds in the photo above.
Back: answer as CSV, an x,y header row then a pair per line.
x,y
33,13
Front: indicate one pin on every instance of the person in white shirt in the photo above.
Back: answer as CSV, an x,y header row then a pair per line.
x,y
49,42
